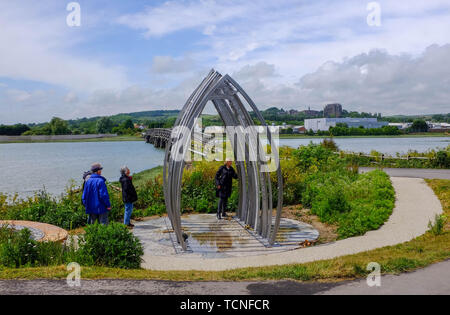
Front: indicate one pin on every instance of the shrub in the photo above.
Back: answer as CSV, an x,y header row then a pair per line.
x,y
357,203
330,144
442,159
150,198
437,228
312,156
199,189
16,248
110,245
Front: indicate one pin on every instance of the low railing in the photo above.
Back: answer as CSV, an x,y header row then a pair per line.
x,y
383,156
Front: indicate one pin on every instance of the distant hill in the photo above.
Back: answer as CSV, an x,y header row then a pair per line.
x,y
137,117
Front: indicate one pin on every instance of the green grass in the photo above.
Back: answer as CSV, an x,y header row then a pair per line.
x,y
139,179
418,253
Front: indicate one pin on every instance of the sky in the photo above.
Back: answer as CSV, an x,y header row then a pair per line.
x,y
391,57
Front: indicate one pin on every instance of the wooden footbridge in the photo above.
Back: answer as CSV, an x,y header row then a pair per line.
x,y
159,137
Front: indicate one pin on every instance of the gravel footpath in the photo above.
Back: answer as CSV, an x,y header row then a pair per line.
x,y
416,205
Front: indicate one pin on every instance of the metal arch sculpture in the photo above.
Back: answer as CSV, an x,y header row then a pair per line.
x,y
255,190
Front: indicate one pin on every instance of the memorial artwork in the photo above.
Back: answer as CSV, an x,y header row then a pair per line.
x,y
249,142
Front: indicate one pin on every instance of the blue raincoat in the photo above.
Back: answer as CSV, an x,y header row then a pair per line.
x,y
95,195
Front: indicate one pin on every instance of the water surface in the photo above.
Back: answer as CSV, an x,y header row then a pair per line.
x,y
27,167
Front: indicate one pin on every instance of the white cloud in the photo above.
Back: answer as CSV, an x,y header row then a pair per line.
x,y
18,95
71,98
174,16
260,70
375,82
209,30
36,46
168,64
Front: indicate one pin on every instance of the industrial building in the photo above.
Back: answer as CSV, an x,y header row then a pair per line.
x,y
324,124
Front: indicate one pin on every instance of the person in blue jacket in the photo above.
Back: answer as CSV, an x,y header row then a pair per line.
x,y
95,196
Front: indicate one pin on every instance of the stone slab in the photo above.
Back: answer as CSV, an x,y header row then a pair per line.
x,y
41,232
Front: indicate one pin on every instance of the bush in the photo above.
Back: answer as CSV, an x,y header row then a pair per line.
x,y
110,245
357,203
442,159
312,157
150,198
199,189
18,249
330,144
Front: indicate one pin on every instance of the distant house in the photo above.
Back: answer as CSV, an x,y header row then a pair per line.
x,y
299,129
140,127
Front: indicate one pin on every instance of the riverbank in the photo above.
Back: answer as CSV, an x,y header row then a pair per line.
x,y
67,138
415,135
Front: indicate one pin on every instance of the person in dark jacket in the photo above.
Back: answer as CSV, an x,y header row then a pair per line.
x,y
129,195
95,196
224,184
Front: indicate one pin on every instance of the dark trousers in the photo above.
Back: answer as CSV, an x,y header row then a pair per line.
x,y
222,206
102,218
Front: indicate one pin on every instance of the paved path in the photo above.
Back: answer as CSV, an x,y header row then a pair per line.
x,y
416,205
413,172
432,280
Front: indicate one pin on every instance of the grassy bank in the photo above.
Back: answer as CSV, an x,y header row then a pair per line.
x,y
106,139
418,253
139,179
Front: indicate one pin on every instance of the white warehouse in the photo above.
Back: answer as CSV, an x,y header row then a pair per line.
x,y
324,124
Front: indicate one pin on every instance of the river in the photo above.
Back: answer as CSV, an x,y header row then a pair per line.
x,y
28,167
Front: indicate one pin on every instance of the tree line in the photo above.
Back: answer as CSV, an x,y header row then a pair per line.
x,y
58,126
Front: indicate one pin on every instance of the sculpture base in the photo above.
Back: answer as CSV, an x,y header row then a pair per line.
x,y
41,232
213,238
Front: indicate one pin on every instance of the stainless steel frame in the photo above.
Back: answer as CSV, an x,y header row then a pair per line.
x,y
255,190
